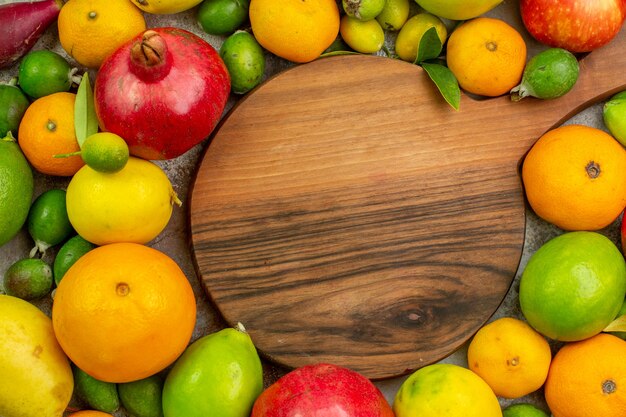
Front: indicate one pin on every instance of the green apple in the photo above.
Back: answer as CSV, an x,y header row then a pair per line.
x,y
458,9
614,114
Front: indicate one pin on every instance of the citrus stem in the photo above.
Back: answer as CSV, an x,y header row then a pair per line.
x,y
175,200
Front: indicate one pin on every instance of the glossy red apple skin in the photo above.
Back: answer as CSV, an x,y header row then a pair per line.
x,y
322,390
575,25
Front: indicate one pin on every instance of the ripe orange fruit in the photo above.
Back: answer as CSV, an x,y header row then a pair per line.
x,y
296,30
90,30
47,129
574,178
510,356
90,413
487,56
588,378
123,312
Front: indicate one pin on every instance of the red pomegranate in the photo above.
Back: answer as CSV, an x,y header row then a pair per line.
x,y
163,92
322,390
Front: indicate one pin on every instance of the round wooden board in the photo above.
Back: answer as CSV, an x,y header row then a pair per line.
x,y
344,213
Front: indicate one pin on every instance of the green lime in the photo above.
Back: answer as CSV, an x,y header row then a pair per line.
x,y
549,74
222,17
614,114
142,398
363,10
69,253
366,37
573,286
100,395
13,105
28,279
44,72
48,223
523,410
245,61
16,189
105,152
394,15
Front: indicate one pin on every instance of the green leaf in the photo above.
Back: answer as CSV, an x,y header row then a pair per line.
x,y
445,81
617,325
85,119
430,46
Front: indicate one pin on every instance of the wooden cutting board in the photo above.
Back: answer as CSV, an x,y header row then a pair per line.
x,y
344,213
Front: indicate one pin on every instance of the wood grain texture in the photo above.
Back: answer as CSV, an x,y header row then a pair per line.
x,y
344,213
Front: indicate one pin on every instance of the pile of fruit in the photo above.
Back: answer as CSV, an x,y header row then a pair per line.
x,y
122,97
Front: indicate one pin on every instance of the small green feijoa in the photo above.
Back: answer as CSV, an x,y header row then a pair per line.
x,y
48,222
363,10
548,75
70,252
100,395
245,61
28,279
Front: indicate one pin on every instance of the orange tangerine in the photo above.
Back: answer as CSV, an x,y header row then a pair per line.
x,y
123,312
487,56
295,30
574,177
46,130
510,356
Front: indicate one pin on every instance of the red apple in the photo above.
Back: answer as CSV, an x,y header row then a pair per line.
x,y
575,25
322,390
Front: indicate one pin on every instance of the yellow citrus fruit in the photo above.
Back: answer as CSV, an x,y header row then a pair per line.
x,y
130,205
47,129
295,30
574,177
123,312
487,56
90,30
510,356
445,390
35,375
411,33
588,378
366,37
165,6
